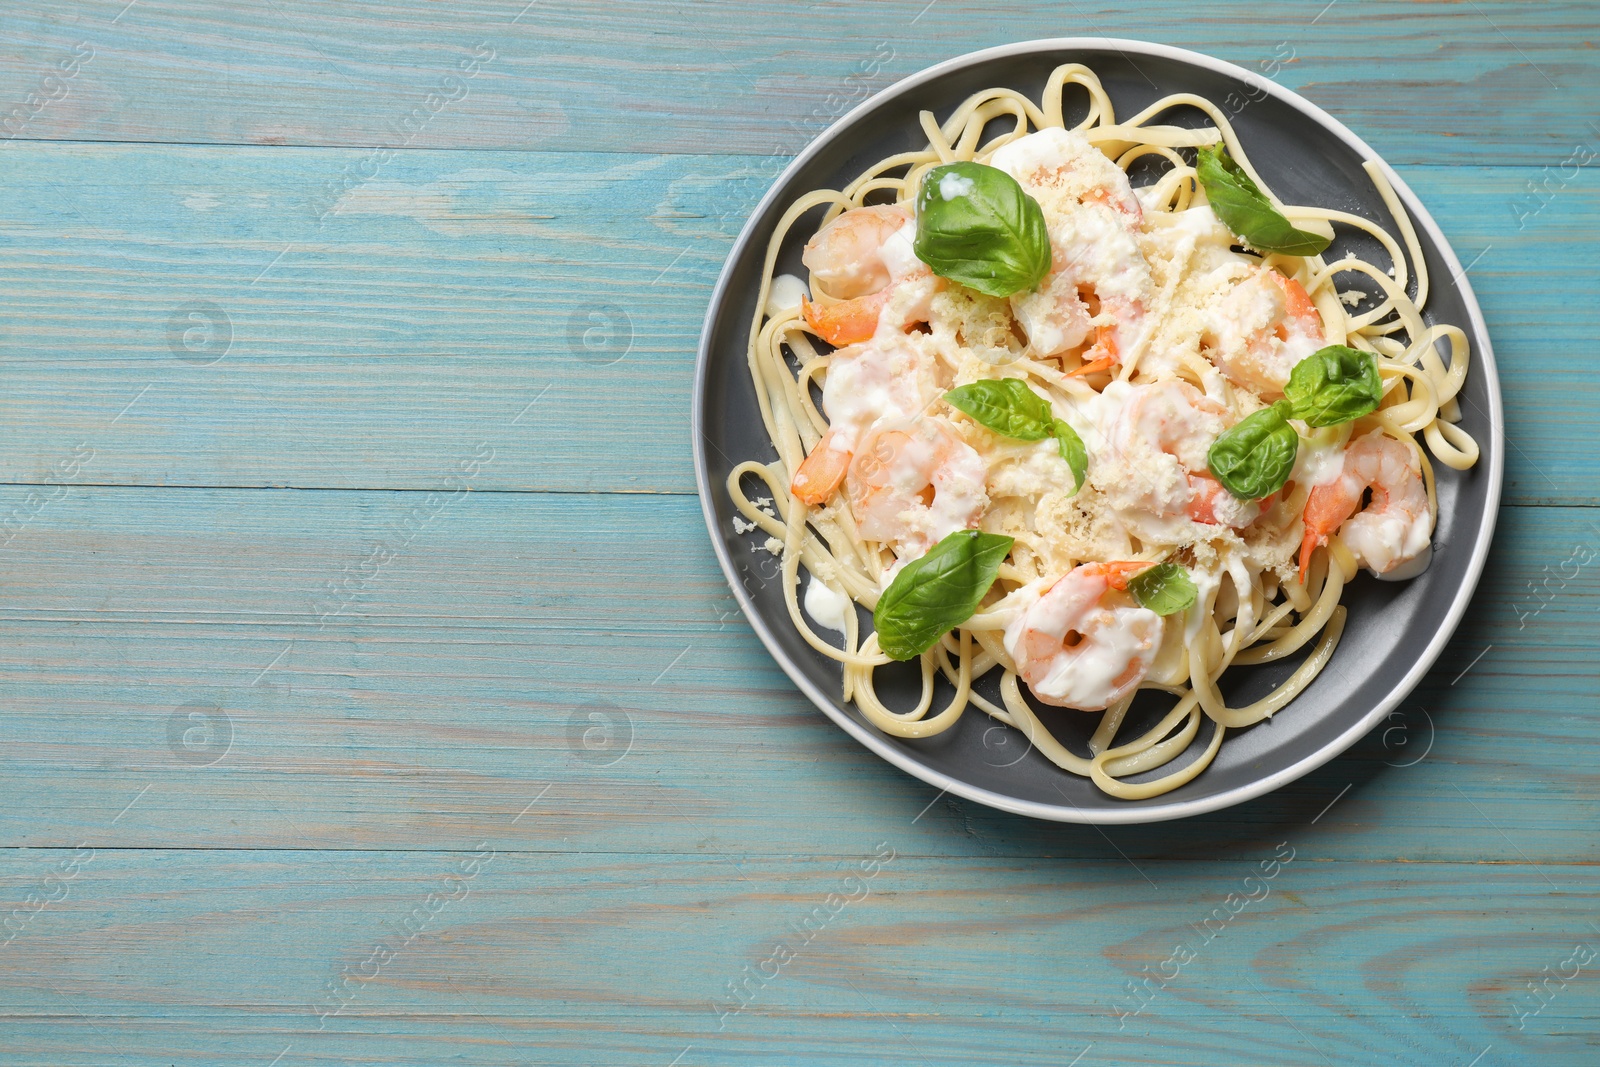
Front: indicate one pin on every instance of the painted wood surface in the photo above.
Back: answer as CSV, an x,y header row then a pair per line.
x,y
457,681
537,755
1425,82
188,314
533,958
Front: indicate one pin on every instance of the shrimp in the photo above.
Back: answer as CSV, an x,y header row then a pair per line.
x,y
1060,167
1104,353
859,261
1079,642
1262,328
913,483
1394,528
1068,313
1099,281
816,479
1159,438
892,377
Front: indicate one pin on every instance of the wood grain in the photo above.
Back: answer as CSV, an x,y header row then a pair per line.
x,y
444,692
241,347
645,76
261,345
604,958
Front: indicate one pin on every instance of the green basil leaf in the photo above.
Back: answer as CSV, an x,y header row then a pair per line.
x,y
933,595
1005,405
976,226
1254,457
1165,589
1333,385
1072,451
1245,209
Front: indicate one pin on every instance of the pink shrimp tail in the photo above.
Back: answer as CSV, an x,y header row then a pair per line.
x,y
821,472
1326,507
848,321
1308,544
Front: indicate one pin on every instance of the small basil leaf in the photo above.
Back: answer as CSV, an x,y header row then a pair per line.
x,y
1005,405
1165,589
1333,385
933,595
976,226
1254,457
1245,210
1072,451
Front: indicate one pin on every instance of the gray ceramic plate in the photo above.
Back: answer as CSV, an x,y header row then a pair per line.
x,y
1396,629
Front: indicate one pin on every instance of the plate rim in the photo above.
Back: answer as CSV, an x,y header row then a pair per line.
x,y
1483,364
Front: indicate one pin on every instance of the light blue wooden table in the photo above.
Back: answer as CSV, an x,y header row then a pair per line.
x,y
370,694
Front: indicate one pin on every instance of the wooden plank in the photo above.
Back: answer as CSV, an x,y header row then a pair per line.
x,y
1425,82
183,316
454,683
383,720
190,957
489,311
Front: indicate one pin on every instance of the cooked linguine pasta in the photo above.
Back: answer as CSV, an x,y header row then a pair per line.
x,y
1091,426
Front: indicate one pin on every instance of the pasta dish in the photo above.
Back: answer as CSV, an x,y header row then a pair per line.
x,y
1086,411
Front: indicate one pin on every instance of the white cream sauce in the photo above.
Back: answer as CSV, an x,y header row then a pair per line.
x,y
953,185
899,255
1411,568
889,377
784,294
1207,582
826,607
1321,457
